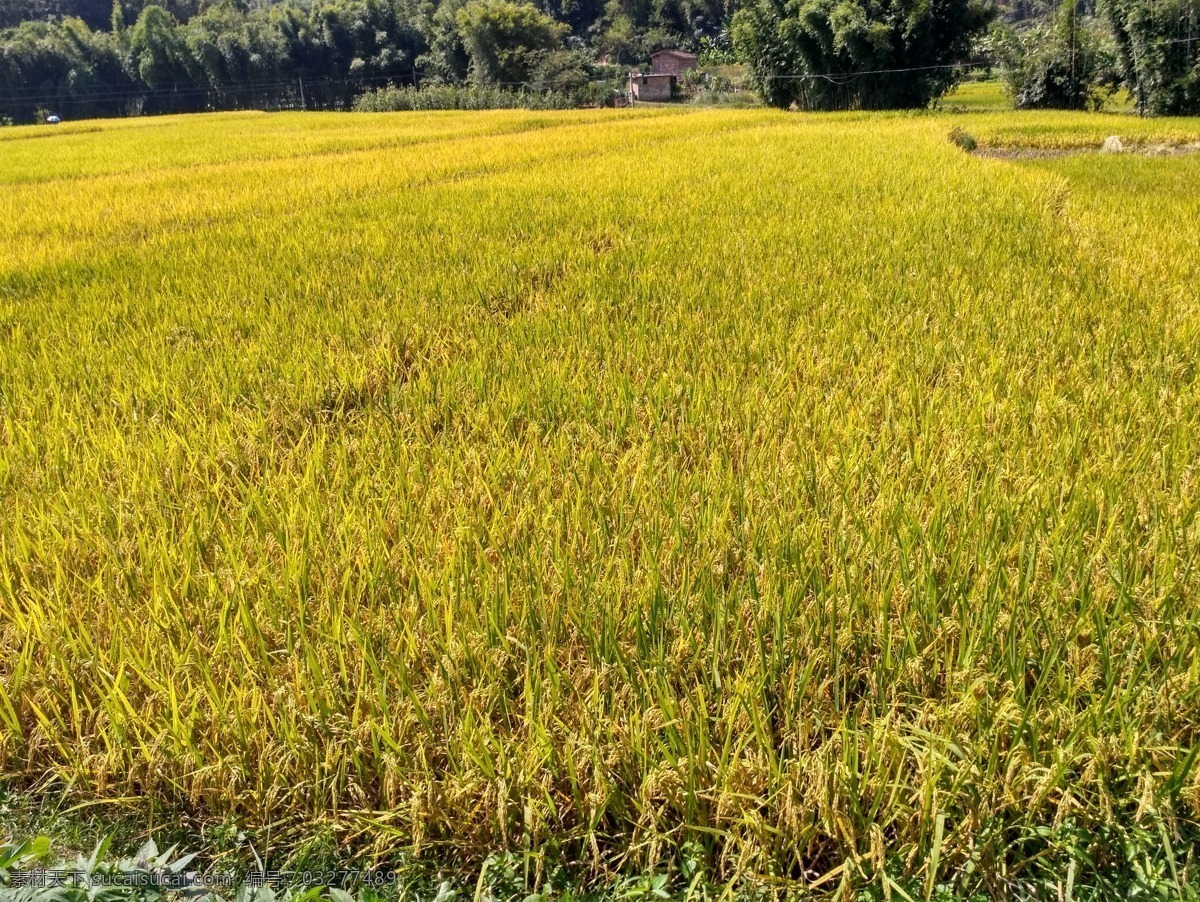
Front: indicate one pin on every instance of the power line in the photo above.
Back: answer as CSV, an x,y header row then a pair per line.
x,y
850,76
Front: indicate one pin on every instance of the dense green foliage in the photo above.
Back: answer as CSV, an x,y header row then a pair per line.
x,y
96,13
857,54
76,60
504,40
65,61
1158,48
1065,62
840,54
189,55
1074,57
1018,11
223,57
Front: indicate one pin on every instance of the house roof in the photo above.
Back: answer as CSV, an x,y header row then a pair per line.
x,y
682,54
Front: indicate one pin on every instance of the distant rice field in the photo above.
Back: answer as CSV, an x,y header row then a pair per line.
x,y
991,96
978,96
587,484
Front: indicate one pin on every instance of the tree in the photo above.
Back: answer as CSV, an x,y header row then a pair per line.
x,y
561,71
447,59
62,68
503,38
181,10
158,51
623,40
235,51
857,54
1061,64
579,15
1158,52
1014,11
94,12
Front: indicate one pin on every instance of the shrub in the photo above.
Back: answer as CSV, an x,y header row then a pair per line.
x,y
455,97
738,99
963,140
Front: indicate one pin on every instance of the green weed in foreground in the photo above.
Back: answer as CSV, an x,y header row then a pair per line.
x,y
588,486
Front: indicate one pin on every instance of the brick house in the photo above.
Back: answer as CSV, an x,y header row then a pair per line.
x,y
655,88
673,62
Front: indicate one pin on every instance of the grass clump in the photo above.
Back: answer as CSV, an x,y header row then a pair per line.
x,y
963,140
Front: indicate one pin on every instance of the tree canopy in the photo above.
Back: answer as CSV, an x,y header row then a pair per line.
x,y
98,57
1062,62
504,39
1158,51
857,54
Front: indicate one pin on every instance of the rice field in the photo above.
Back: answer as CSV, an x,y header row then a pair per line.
x,y
990,96
591,485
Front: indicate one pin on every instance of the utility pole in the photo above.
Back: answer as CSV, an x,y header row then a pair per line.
x,y
1074,80
303,105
